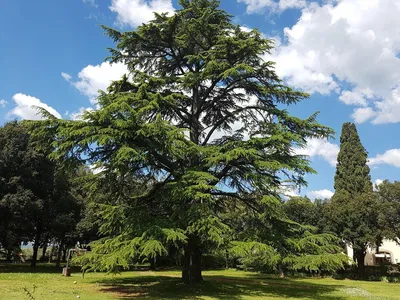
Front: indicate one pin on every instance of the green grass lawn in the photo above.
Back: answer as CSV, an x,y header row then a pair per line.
x,y
230,284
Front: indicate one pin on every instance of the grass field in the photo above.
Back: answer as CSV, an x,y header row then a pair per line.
x,y
230,284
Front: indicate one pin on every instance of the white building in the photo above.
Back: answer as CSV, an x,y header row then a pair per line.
x,y
389,253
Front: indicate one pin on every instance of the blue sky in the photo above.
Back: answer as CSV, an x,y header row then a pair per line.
x,y
343,52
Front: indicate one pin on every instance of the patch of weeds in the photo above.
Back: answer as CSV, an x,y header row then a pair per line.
x,y
29,294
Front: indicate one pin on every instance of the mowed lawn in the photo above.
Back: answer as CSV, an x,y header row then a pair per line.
x,y
230,284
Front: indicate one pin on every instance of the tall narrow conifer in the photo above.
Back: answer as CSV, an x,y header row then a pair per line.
x,y
352,213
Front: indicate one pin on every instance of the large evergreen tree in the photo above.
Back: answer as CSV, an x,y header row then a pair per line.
x,y
353,211
199,122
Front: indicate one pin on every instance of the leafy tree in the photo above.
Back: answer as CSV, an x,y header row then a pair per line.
x,y
306,212
283,245
353,210
35,199
198,121
389,212
302,210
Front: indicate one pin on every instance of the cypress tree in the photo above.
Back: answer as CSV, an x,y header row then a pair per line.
x,y
352,172
352,213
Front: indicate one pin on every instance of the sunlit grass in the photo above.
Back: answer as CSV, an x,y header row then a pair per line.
x,y
228,284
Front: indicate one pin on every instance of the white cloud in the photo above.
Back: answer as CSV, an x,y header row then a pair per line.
x,y
377,183
390,157
25,107
136,12
363,114
96,169
258,6
356,97
3,103
91,79
66,76
353,41
78,114
320,148
388,110
91,3
321,194
287,191
286,4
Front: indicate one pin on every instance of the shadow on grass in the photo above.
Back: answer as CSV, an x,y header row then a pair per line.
x,y
215,286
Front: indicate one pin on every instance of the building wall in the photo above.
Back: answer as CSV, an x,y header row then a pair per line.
x,y
387,246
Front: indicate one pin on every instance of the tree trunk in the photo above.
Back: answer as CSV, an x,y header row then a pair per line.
x,y
64,251
44,252
35,253
153,263
359,256
59,252
9,255
191,272
226,259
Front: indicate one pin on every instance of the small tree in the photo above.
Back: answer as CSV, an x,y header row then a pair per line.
x,y
198,122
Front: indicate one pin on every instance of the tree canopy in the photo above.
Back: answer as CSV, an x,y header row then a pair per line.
x,y
36,202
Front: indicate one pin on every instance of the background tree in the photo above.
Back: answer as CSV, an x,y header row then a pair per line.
x,y
353,210
284,245
23,182
303,211
389,212
198,122
36,203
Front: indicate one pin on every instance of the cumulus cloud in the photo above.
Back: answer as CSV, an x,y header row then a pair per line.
x,y
136,12
356,97
258,6
25,107
320,148
388,110
363,114
3,103
320,194
390,157
91,79
352,41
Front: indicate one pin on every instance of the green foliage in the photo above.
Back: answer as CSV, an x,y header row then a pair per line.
x,y
303,211
388,194
316,253
36,201
197,124
255,255
353,211
352,172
